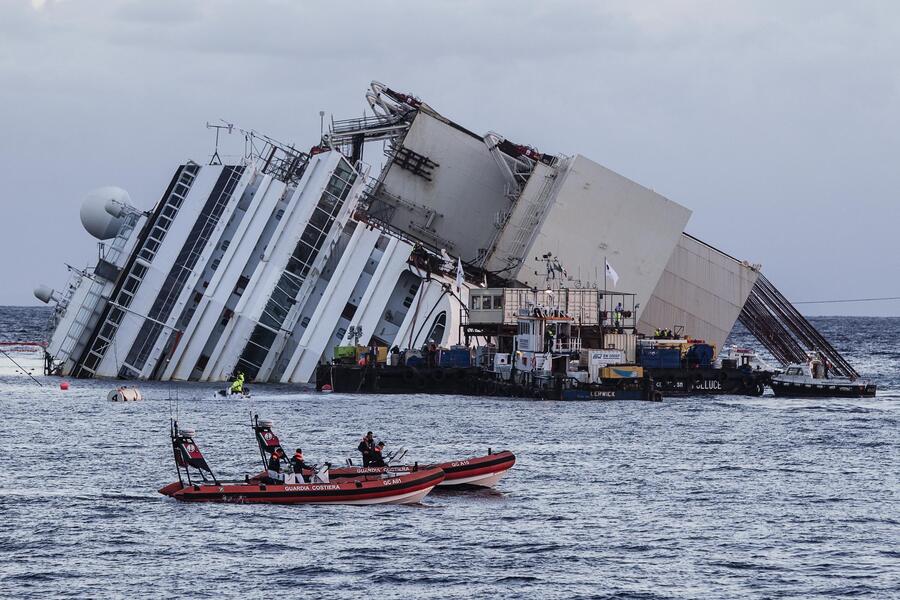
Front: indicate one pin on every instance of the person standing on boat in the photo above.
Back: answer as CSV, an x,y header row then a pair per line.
x,y
367,448
299,465
274,466
237,387
377,458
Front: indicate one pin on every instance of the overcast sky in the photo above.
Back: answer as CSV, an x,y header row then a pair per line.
x,y
777,123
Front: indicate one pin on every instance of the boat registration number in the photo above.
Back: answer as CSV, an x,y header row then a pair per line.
x,y
391,481
459,463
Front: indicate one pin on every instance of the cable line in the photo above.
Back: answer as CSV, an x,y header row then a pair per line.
x,y
852,300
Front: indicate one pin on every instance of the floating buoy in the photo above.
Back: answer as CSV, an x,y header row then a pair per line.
x,y
64,385
327,389
124,394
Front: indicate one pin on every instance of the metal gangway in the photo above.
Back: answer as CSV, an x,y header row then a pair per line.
x,y
787,334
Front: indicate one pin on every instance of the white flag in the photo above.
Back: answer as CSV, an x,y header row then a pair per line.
x,y
459,274
611,273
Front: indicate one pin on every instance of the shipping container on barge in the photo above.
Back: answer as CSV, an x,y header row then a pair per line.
x,y
560,344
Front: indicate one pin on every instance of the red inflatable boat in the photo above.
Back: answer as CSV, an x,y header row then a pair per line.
x,y
480,471
289,488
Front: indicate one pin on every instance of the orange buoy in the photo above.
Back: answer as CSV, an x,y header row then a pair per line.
x,y
64,385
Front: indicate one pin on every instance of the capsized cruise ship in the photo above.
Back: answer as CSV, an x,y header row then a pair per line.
x,y
264,266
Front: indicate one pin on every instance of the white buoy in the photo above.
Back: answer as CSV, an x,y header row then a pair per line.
x,y
124,394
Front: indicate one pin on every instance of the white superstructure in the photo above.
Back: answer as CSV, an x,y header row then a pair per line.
x,y
265,266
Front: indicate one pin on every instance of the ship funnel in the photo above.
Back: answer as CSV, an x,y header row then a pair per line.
x,y
45,294
102,211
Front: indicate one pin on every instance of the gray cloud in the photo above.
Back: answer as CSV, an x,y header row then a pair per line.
x,y
777,123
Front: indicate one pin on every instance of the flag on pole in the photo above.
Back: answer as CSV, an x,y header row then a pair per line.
x,y
611,273
460,274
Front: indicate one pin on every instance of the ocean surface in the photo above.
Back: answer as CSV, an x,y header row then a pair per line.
x,y
724,497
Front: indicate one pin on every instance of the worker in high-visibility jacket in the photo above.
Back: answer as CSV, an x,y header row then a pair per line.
x,y
237,387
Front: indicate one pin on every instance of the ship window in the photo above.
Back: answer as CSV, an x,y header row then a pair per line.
x,y
279,213
329,200
303,252
201,362
304,322
108,330
333,193
340,333
437,330
311,237
476,303
225,244
215,264
262,337
349,311
241,284
131,284
319,219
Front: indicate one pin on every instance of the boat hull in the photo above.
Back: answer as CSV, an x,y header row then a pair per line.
x,y
407,488
825,390
481,471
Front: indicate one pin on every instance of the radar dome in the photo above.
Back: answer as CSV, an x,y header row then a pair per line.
x,y
44,293
94,216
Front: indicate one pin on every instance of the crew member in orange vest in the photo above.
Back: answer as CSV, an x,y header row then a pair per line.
x,y
299,465
377,458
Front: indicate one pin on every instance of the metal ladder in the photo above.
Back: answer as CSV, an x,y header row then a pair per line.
x,y
115,309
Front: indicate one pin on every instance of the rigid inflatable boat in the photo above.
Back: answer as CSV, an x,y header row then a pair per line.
x,y
479,471
289,488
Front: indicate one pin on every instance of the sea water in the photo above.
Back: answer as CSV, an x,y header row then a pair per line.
x,y
705,497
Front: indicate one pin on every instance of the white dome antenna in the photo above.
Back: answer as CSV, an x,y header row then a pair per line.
x,y
102,211
46,294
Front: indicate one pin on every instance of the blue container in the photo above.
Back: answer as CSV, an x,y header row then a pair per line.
x,y
700,354
661,358
455,358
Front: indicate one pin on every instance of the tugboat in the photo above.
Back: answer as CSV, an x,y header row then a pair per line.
x,y
476,472
289,488
812,380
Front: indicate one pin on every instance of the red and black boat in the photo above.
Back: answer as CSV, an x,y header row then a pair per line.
x,y
290,488
479,471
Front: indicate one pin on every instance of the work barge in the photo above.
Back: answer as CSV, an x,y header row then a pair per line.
x,y
465,263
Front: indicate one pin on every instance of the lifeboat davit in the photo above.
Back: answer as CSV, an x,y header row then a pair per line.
x,y
480,471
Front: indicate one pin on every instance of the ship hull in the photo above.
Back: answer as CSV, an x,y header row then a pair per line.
x,y
811,390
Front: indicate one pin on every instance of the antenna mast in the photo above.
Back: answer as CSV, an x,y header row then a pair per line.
x,y
216,159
